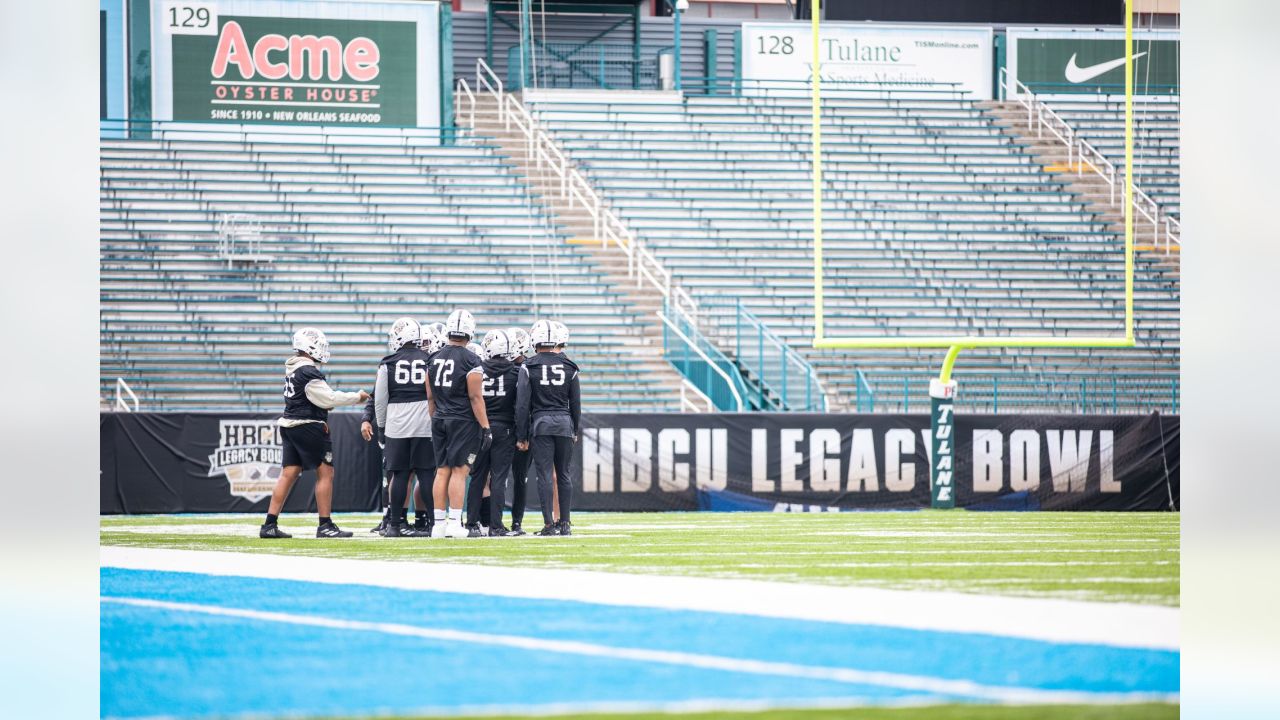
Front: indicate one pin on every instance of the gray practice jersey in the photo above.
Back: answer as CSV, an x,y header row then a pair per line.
x,y
400,394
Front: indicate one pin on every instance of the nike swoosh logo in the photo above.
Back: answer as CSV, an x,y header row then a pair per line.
x,y
1077,74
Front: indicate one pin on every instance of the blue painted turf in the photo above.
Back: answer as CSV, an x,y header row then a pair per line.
x,y
191,665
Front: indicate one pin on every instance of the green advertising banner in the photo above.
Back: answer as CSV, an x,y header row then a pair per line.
x,y
298,70
1071,63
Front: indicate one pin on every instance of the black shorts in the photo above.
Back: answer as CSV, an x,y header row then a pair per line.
x,y
456,440
409,454
306,446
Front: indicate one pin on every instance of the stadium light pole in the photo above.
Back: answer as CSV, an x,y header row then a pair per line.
x,y
678,9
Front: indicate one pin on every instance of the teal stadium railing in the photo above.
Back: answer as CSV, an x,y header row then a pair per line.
x,y
787,381
706,366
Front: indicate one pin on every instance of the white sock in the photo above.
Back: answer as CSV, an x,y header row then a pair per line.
x,y
455,515
439,514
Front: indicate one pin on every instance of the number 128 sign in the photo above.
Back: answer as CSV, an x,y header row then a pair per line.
x,y
868,53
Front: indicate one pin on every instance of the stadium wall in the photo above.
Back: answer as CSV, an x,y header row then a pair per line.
x,y
655,33
228,462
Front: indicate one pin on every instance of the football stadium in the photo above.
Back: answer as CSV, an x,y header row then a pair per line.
x,y
639,358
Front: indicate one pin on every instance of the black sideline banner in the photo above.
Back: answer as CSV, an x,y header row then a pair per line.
x,y
210,462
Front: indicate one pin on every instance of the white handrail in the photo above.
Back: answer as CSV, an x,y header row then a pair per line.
x,y
608,228
1081,153
120,403
687,388
737,398
471,98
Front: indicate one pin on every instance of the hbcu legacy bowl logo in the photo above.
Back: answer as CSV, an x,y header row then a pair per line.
x,y
249,454
305,70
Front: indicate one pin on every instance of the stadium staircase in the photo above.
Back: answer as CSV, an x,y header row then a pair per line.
x,y
578,229
216,245
1081,140
935,223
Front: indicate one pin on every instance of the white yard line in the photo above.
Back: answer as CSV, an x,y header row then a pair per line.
x,y
899,681
1116,624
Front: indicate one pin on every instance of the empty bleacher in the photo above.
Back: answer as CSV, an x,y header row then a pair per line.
x,y
1099,119
342,232
934,223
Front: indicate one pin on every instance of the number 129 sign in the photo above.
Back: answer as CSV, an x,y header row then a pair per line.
x,y
189,18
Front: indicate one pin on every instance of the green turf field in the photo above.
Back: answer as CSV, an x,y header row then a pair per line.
x,y
1114,557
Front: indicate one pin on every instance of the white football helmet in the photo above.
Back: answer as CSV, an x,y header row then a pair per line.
x,y
433,337
403,331
312,342
497,343
542,333
460,325
559,333
475,349
520,344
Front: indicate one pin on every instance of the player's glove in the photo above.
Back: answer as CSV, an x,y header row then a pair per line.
x,y
486,439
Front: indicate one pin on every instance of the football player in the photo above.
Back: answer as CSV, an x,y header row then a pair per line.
x,y
400,397
506,396
459,425
520,461
304,431
555,404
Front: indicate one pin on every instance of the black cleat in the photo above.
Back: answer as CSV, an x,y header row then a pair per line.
x,y
271,530
516,531
330,530
382,525
474,531
499,531
564,527
549,531
404,531
422,526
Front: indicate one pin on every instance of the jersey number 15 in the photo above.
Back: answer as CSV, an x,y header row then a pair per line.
x,y
557,371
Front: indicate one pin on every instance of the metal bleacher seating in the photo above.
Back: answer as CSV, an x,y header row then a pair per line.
x,y
1099,119
934,223
216,246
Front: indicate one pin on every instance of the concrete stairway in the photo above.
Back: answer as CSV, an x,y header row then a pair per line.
x,y
1087,185
577,223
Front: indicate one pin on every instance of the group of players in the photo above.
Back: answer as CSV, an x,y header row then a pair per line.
x,y
445,409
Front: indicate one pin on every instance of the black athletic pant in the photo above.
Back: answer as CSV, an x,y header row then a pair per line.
x,y
519,473
491,466
549,451
399,491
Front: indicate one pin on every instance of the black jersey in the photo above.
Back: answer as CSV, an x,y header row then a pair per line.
x,y
296,404
406,371
553,386
448,377
505,384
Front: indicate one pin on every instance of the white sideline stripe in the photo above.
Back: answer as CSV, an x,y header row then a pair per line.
x,y
1053,620
919,683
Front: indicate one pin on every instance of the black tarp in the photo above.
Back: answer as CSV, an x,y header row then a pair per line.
x,y
186,462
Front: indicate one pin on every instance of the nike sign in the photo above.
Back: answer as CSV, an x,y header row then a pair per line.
x,y
1077,74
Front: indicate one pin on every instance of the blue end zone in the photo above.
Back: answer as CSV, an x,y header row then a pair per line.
x,y
185,664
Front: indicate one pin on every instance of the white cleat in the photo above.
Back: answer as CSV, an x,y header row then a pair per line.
x,y
437,530
457,530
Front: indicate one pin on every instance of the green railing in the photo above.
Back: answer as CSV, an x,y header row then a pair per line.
x,y
1103,394
702,363
865,396
607,66
787,381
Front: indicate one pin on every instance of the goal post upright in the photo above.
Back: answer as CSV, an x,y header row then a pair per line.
x,y
942,388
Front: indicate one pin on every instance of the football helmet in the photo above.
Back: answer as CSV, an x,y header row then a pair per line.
x,y
520,344
559,333
431,339
460,325
497,343
403,331
541,334
475,349
312,342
